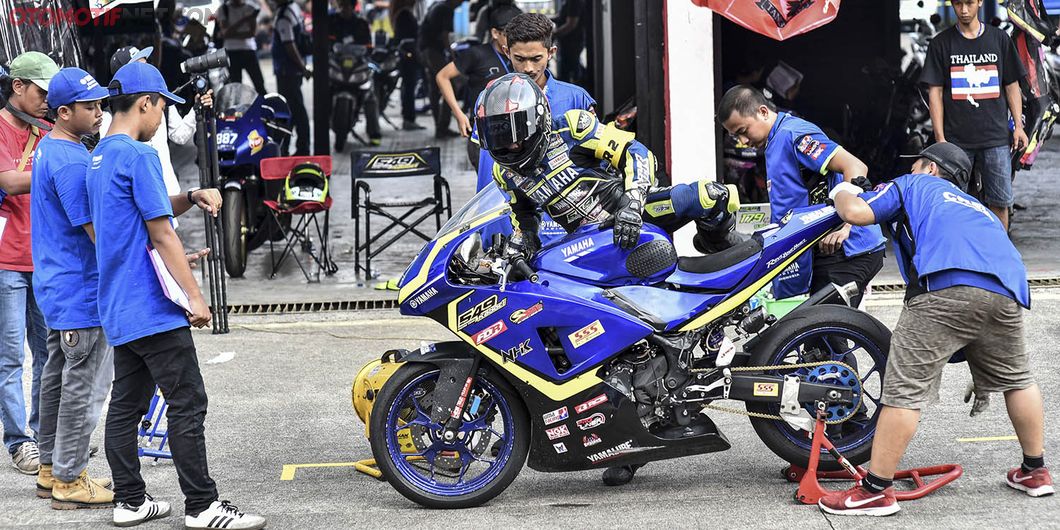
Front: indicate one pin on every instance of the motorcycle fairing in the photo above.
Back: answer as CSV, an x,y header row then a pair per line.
x,y
245,140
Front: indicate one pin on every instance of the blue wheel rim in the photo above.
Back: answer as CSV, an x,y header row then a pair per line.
x,y
420,468
843,441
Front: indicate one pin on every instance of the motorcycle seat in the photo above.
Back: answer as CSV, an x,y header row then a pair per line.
x,y
720,261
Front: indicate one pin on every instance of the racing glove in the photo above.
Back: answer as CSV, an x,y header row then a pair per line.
x,y
628,220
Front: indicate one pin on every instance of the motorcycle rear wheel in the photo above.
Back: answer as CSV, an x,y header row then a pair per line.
x,y
419,462
815,335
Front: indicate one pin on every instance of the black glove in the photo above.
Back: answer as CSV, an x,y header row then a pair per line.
x,y
628,222
862,182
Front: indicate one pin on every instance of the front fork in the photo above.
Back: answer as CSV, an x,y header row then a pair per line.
x,y
455,380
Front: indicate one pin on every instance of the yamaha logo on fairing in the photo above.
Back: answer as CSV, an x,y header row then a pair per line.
x,y
578,247
808,218
427,295
612,452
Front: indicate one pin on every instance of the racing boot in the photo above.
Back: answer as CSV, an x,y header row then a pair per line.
x,y
45,482
715,236
81,493
620,475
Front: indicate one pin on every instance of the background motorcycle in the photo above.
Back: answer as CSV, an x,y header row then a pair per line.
x,y
386,60
351,75
250,128
604,357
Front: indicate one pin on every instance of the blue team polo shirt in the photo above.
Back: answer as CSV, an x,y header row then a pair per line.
x,y
958,240
561,96
125,190
64,259
795,145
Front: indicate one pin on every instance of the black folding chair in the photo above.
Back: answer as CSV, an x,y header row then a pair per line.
x,y
406,214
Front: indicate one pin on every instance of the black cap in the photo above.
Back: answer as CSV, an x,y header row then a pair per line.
x,y
951,159
127,55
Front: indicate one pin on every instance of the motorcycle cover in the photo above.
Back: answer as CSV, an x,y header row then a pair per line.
x,y
776,19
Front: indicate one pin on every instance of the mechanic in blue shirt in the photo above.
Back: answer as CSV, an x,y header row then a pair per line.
x,y
802,164
131,214
530,49
966,285
64,284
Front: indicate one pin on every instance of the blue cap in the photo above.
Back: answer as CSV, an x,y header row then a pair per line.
x,y
71,85
140,78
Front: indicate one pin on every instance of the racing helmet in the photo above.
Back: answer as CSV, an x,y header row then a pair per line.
x,y
513,121
305,183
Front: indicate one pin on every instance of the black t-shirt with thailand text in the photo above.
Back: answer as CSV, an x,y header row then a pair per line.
x,y
481,64
973,74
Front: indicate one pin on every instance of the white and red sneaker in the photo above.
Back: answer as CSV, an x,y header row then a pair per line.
x,y
1037,483
860,501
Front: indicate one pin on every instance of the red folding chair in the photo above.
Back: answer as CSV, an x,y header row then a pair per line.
x,y
303,219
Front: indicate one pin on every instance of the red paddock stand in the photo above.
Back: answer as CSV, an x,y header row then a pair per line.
x,y
810,490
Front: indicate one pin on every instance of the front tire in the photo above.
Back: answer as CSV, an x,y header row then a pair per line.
x,y
815,334
419,464
234,218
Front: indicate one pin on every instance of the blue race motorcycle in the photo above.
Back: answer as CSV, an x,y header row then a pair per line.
x,y
590,356
250,128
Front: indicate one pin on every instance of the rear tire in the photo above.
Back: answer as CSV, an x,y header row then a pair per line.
x,y
390,409
787,335
234,218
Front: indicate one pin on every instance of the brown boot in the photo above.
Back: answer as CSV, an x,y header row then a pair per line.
x,y
81,493
45,481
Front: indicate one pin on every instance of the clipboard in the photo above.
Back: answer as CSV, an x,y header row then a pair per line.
x,y
169,284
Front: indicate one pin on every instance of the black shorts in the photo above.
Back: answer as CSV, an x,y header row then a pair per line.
x,y
859,269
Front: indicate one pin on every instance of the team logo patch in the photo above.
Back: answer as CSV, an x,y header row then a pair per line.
x,y
808,146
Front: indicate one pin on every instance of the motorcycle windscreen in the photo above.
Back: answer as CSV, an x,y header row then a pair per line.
x,y
235,97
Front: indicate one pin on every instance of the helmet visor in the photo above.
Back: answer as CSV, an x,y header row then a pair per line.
x,y
500,131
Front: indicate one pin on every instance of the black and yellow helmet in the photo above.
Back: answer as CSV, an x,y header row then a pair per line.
x,y
305,182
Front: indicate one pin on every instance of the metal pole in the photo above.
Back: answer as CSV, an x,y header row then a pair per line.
x,y
217,271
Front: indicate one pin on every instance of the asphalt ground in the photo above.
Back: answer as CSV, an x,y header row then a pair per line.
x,y
280,396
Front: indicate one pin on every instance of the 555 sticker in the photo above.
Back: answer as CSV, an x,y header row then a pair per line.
x,y
582,336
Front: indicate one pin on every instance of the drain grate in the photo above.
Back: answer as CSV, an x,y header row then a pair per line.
x,y
312,307
899,287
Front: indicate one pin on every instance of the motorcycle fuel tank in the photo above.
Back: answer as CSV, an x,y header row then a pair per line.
x,y
589,254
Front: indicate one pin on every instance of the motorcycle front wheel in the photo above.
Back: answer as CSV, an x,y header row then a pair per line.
x,y
234,219
488,452
833,334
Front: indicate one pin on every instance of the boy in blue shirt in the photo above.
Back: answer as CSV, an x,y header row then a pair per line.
x,y
64,283
152,343
966,285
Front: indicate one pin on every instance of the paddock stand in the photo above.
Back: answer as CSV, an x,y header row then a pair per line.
x,y
810,490
152,436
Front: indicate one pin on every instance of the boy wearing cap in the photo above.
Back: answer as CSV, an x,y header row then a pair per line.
x,y
25,91
966,283
64,283
152,343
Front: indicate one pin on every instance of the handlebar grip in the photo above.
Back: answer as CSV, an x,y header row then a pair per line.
x,y
520,266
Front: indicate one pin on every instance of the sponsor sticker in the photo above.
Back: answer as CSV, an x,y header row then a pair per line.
x,y
398,162
602,398
815,215
516,352
577,248
767,389
521,315
481,311
555,416
485,335
582,336
591,422
613,452
559,447
423,297
557,432
590,440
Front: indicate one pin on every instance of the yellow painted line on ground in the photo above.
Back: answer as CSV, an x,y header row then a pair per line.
x,y
289,469
989,439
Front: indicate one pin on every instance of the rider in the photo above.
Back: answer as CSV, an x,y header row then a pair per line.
x,y
556,166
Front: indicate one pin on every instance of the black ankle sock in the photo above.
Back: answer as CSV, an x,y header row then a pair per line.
x,y
875,484
1030,463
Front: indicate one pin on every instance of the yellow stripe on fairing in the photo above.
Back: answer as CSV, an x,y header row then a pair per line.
x,y
554,391
421,278
735,300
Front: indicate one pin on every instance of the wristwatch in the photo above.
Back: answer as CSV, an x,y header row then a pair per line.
x,y
190,193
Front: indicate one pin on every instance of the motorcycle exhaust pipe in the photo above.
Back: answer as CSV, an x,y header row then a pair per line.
x,y
832,294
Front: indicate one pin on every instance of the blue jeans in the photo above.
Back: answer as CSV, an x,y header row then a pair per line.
x,y
21,320
993,167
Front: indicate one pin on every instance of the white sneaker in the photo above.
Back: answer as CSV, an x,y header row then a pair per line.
x,y
26,459
128,515
222,514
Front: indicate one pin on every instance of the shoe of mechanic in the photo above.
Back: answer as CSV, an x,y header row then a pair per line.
x,y
128,515
860,501
619,475
45,482
82,493
26,459
222,514
1037,483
